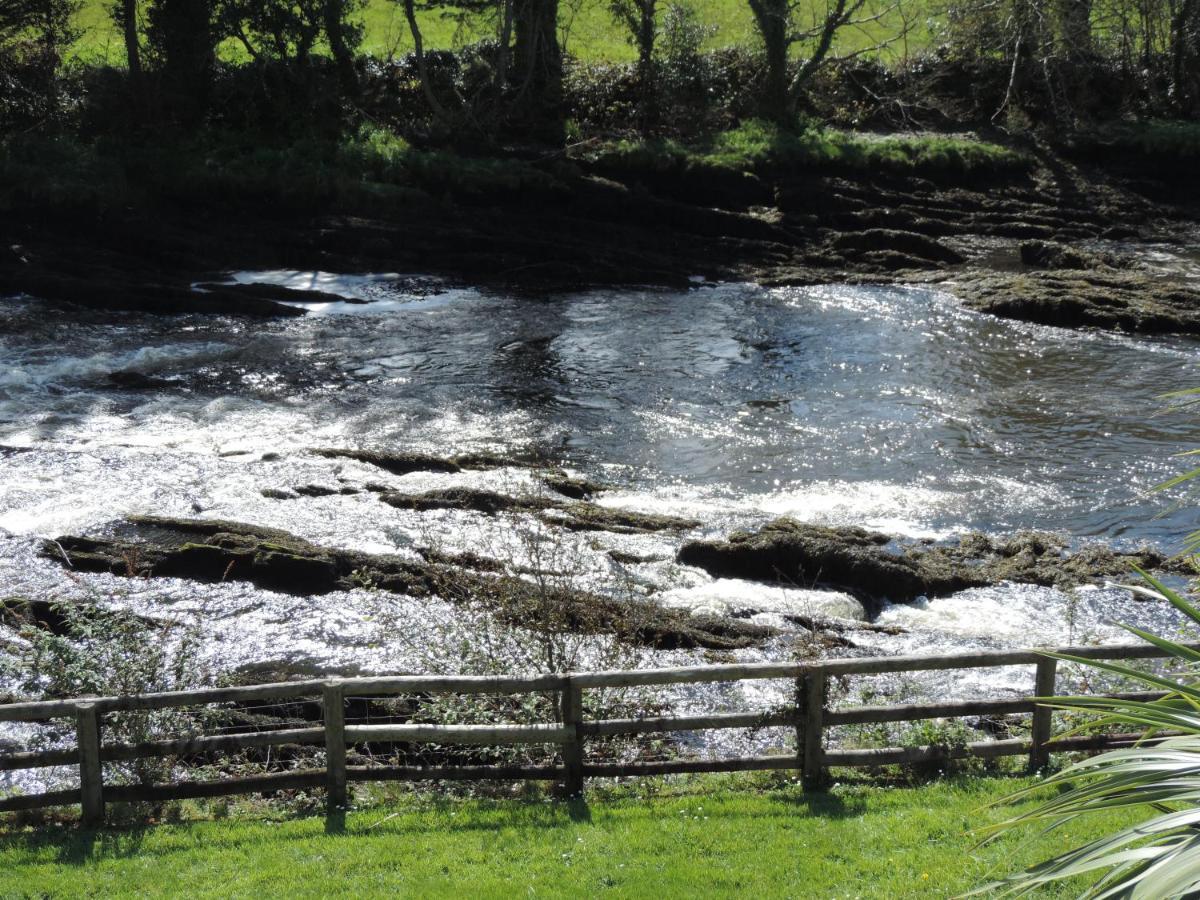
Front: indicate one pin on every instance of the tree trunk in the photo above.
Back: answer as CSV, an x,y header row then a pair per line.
x,y
772,18
183,34
1075,28
339,47
133,50
1185,56
538,68
647,85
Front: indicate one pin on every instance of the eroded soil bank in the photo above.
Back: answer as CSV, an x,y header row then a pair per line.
x,y
1006,242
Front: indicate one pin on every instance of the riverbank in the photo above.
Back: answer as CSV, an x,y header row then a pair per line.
x,y
701,836
1019,231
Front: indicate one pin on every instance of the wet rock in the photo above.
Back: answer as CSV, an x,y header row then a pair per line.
x,y
589,517
632,559
152,292
139,381
905,243
1049,255
488,502
405,463
398,463
1113,300
468,560
788,552
278,494
277,292
572,487
324,490
576,516
876,567
214,551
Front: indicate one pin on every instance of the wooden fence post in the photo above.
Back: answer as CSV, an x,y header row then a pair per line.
x,y
572,752
814,713
91,774
1039,733
334,710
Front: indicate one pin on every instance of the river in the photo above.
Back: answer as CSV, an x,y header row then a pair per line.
x,y
891,408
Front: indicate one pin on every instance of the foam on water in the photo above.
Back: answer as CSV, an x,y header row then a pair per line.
x,y
884,407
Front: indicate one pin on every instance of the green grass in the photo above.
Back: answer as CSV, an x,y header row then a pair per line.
x,y
373,172
716,837
758,146
590,33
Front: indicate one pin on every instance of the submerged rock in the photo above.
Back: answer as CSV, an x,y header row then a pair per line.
x,y
405,462
876,567
214,551
577,516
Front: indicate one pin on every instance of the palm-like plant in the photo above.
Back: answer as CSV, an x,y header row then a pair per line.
x,y
1160,857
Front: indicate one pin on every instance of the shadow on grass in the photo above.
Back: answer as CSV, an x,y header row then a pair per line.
x,y
73,846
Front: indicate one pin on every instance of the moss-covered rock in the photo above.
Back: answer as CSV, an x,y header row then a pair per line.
x,y
214,551
876,567
1116,300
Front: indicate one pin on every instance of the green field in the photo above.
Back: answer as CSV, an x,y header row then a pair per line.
x,y
587,29
716,837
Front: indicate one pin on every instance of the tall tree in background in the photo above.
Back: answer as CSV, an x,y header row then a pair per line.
x,y
1185,56
343,37
125,16
183,40
47,23
780,28
639,18
1075,28
538,70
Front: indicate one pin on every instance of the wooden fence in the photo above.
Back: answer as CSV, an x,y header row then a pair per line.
x,y
810,715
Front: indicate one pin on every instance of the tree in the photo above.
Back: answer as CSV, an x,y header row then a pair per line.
x,y
1185,56
780,29
48,23
182,38
523,92
1075,27
639,17
125,16
343,38
538,68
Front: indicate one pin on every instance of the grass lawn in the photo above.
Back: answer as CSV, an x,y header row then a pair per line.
x,y
586,25
711,837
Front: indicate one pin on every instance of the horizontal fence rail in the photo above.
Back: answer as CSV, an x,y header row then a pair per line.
x,y
809,716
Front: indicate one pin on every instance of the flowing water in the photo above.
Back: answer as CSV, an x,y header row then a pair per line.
x,y
891,408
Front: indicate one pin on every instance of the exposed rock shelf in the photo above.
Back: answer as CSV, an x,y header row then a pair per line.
x,y
876,567
214,551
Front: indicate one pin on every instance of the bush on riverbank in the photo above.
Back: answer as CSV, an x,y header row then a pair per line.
x,y
374,171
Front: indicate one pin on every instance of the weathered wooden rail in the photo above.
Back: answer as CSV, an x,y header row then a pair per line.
x,y
809,715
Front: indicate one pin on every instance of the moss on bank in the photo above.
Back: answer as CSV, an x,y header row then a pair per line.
x,y
762,148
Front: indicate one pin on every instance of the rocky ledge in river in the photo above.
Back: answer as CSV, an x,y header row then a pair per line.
x,y
575,516
214,551
406,463
1112,299
875,567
